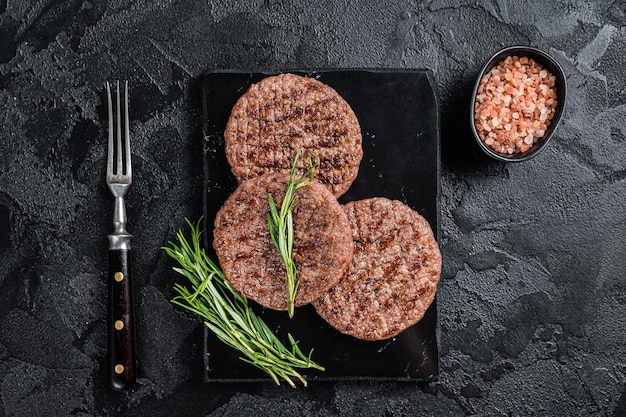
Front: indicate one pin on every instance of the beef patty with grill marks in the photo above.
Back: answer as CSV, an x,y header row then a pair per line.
x,y
322,246
393,276
285,113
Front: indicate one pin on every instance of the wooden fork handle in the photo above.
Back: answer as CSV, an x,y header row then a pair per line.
x,y
121,321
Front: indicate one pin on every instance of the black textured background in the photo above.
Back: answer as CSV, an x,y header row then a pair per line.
x,y
532,302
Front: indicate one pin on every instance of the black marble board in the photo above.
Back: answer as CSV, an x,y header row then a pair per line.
x,y
399,118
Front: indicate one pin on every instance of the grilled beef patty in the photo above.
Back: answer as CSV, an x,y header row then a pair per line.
x,y
322,246
393,275
285,113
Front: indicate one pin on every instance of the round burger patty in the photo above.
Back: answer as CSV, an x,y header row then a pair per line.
x,y
322,246
393,275
285,113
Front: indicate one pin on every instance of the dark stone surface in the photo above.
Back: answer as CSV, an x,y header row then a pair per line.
x,y
532,303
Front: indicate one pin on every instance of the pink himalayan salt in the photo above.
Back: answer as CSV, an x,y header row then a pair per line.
x,y
515,104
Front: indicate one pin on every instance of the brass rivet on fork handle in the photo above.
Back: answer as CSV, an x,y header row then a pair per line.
x,y
121,339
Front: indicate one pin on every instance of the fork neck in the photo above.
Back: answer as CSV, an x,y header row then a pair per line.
x,y
120,238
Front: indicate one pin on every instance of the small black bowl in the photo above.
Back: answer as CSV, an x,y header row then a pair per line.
x,y
547,62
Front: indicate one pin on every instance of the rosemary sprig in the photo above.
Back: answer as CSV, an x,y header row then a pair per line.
x,y
226,312
281,228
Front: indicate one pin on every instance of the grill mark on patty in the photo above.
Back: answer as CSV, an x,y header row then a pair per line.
x,y
322,241
393,275
290,113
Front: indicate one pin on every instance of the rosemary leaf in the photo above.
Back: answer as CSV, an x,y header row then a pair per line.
x,y
227,314
280,225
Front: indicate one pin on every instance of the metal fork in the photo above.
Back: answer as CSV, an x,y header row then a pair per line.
x,y
121,326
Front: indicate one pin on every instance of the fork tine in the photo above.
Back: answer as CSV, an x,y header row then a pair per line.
x,y
110,151
127,131
118,149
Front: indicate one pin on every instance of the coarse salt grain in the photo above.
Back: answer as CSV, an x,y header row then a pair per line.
x,y
515,104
